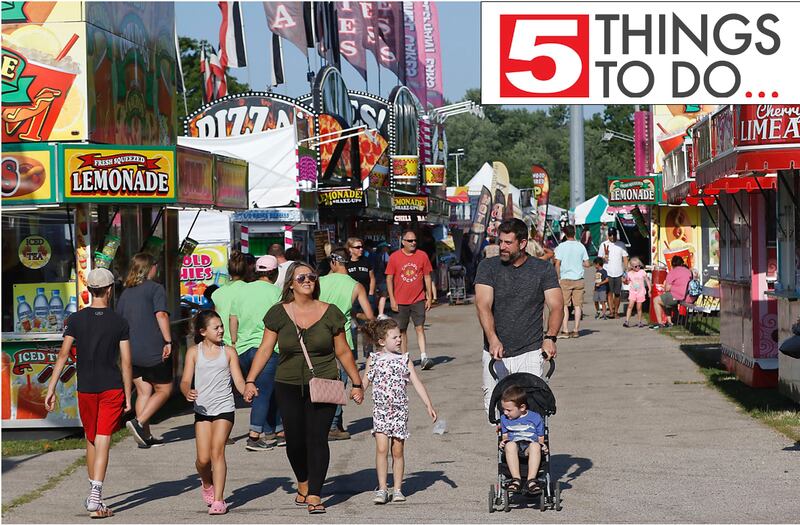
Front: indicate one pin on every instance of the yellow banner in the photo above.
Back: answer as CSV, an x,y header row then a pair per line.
x,y
119,174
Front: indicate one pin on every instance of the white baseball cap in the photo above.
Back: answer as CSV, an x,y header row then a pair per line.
x,y
99,278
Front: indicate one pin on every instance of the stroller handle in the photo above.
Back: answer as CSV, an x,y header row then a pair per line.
x,y
549,373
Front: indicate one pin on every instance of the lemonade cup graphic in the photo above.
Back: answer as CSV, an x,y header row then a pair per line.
x,y
36,88
47,91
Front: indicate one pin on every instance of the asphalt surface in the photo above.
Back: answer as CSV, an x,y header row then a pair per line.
x,y
638,437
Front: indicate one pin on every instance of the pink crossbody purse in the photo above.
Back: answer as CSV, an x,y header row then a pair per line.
x,y
321,390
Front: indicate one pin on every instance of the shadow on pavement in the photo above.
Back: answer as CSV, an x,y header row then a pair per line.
x,y
360,425
437,360
253,491
566,468
181,433
12,463
153,492
342,488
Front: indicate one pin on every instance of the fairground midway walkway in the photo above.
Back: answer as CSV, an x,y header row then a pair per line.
x,y
638,437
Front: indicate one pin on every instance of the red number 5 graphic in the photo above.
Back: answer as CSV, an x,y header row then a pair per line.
x,y
544,55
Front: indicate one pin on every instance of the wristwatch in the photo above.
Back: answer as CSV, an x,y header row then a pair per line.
x,y
167,343
553,338
357,386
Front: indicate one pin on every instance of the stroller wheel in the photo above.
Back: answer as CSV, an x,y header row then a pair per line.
x,y
542,501
505,501
557,496
491,498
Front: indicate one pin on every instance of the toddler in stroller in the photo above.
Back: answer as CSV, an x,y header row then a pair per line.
x,y
526,403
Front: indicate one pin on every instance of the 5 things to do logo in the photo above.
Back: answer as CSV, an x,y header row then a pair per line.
x,y
639,52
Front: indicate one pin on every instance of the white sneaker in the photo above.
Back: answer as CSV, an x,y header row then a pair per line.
x,y
381,497
397,496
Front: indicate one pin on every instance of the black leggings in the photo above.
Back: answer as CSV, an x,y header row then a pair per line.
x,y
306,425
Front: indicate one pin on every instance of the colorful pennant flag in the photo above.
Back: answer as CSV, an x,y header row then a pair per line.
x,y
232,50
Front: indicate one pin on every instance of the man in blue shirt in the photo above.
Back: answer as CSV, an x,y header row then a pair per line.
x,y
571,260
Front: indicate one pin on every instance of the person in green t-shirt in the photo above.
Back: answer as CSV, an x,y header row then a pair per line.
x,y
223,297
249,307
340,289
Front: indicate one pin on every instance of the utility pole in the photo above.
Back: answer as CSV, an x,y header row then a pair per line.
x,y
577,192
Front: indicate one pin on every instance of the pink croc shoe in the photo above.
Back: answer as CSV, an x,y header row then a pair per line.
x,y
218,507
208,494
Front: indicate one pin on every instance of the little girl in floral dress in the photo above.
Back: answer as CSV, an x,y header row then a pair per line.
x,y
389,371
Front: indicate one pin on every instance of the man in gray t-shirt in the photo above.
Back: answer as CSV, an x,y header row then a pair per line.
x,y
510,294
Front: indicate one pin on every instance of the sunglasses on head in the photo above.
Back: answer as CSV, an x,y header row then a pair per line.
x,y
312,277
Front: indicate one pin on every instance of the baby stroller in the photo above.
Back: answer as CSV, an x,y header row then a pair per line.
x,y
458,289
540,400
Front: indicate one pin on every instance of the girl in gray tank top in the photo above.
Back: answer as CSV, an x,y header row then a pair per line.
x,y
213,367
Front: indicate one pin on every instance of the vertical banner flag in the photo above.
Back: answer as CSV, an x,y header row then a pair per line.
x,y
500,190
391,34
327,29
218,72
433,55
276,52
232,51
415,65
353,40
205,70
541,200
480,218
288,20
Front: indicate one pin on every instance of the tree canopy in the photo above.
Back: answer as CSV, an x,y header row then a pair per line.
x,y
520,138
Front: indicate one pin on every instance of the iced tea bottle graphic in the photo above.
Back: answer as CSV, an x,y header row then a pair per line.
x,y
6,400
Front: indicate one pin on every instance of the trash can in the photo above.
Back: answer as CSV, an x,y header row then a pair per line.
x,y
659,276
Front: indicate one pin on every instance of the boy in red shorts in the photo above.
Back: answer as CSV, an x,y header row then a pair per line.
x,y
104,386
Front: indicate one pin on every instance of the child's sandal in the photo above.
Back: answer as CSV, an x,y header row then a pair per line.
x,y
515,485
533,486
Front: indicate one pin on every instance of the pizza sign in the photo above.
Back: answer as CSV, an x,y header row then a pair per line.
x,y
98,173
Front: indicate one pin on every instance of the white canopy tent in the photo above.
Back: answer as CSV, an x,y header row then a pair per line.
x,y
593,211
484,178
212,227
272,158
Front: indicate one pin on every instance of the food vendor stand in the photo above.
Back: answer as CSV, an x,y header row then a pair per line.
x,y
739,151
53,234
88,169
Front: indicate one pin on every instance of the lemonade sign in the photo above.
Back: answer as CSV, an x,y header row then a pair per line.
x,y
43,72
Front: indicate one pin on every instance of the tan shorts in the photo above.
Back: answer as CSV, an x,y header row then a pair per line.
x,y
572,290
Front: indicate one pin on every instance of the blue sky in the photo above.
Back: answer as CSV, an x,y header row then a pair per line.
x,y
459,24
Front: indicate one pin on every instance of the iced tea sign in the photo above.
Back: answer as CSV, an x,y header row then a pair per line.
x,y
638,190
133,174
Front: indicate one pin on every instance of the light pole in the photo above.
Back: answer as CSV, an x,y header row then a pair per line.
x,y
458,154
610,135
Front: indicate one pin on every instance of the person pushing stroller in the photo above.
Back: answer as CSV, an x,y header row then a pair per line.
x,y
522,436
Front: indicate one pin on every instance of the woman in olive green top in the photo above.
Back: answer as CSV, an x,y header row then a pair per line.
x,y
306,424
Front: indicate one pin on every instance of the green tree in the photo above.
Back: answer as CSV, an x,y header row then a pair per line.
x,y
520,138
193,79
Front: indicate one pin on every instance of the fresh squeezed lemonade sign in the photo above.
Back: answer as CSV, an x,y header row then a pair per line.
x,y
119,175
639,52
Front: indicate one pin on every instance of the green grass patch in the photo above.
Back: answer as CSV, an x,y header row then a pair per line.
x,y
22,447
764,404
51,483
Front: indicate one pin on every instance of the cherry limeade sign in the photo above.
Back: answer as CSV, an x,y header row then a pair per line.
x,y
760,124
113,174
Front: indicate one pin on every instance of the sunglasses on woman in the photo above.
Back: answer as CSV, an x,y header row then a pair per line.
x,y
312,277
